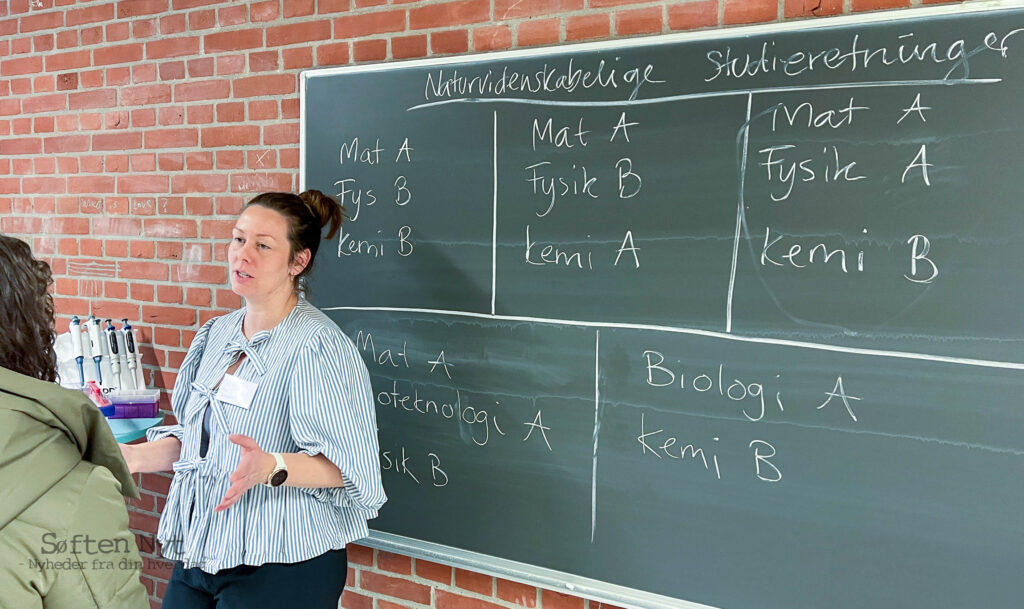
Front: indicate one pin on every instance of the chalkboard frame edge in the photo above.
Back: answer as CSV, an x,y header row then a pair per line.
x,y
524,573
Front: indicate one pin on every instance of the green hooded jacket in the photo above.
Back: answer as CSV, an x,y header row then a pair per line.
x,y
64,537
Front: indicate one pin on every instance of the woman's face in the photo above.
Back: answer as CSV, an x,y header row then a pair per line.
x,y
259,256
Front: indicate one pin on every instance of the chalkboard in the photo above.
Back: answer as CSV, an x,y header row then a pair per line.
x,y
713,320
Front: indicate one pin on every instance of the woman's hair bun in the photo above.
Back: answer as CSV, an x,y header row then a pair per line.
x,y
326,209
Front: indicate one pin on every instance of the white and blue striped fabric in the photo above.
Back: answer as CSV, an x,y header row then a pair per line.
x,y
313,397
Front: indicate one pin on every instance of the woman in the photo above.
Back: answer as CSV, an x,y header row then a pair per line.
x,y
64,537
275,453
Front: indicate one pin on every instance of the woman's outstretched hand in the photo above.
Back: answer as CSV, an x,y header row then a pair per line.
x,y
253,468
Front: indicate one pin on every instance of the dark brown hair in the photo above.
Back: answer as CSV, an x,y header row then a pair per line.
x,y
26,312
307,214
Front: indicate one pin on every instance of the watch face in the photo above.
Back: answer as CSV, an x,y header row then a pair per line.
x,y
278,477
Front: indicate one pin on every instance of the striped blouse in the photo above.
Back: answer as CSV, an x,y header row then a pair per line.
x,y
313,396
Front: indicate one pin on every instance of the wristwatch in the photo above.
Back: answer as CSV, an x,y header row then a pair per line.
x,y
280,472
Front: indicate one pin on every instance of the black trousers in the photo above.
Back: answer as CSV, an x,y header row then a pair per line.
x,y
316,583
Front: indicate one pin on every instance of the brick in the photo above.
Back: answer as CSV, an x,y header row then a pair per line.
x,y
145,117
116,141
301,57
229,300
173,24
230,64
299,8
639,21
90,184
134,184
202,20
130,269
66,226
199,273
394,586
809,8
232,112
170,294
369,24
587,26
166,228
357,555
369,50
135,8
264,61
91,79
172,71
324,7
263,11
298,33
449,600
116,32
261,182
462,12
172,47
557,600
354,600
171,138
199,183
168,316
117,226
750,11
91,247
198,297
519,594
258,86
126,53
142,291
41,21
452,41
144,28
141,249
242,135
39,185
693,15
474,582
238,40
174,161
518,9
18,67
41,44
116,310
200,68
261,159
874,5
93,14
106,98
434,571
62,144
9,107
199,161
396,563
329,55
91,36
263,109
230,160
492,38
234,15
202,90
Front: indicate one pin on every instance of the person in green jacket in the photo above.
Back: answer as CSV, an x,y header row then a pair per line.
x,y
64,537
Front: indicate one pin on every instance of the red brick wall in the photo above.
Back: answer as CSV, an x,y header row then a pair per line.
x,y
132,131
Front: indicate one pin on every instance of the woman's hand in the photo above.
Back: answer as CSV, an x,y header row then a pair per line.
x,y
128,456
253,468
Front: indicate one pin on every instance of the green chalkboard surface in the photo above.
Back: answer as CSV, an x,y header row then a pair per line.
x,y
713,320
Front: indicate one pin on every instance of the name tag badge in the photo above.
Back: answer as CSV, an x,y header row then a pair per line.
x,y
237,392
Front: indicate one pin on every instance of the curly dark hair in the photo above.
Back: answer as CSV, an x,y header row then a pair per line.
x,y
26,312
